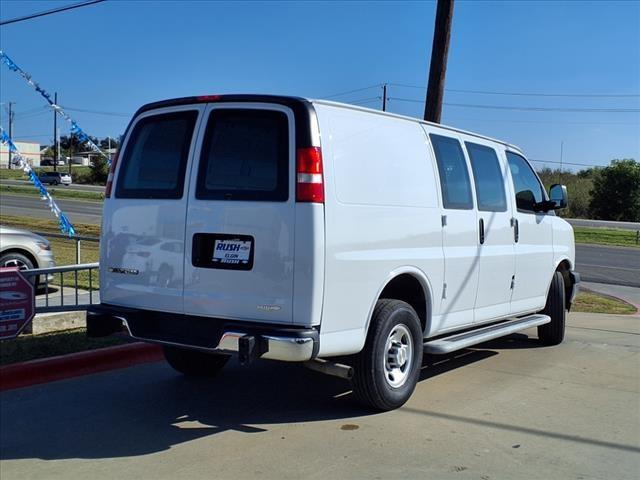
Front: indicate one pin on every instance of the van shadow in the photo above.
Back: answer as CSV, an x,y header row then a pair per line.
x,y
150,408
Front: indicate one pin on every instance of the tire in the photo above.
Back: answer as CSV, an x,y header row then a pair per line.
x,y
55,183
193,363
15,259
553,333
379,382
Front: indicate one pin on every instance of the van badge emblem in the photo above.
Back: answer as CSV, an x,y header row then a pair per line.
x,y
269,308
123,271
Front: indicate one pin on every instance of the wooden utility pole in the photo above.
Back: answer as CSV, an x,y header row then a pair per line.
x,y
438,67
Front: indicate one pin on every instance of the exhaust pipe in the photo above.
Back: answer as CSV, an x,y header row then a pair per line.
x,y
330,368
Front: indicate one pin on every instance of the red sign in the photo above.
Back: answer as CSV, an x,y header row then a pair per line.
x,y
17,303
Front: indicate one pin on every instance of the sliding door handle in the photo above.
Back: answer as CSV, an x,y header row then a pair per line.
x,y
516,230
481,231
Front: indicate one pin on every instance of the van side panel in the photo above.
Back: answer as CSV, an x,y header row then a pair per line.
x,y
381,214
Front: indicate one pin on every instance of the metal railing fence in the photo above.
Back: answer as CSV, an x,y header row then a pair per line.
x,y
81,291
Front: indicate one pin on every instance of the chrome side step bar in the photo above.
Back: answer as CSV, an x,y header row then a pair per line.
x,y
467,339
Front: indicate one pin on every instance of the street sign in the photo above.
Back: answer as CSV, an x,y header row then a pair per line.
x,y
17,303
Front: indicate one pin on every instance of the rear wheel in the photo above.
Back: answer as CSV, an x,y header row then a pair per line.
x,y
194,363
552,333
386,370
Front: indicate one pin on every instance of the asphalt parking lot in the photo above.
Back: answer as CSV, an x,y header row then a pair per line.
x,y
507,409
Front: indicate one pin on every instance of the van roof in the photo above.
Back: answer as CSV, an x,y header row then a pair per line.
x,y
305,103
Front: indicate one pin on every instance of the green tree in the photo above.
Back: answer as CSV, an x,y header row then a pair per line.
x,y
98,170
616,192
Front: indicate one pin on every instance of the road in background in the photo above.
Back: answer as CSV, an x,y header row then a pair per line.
x,y
505,409
582,222
73,186
78,211
613,265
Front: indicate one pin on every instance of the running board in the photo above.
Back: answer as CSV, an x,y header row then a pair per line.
x,y
467,339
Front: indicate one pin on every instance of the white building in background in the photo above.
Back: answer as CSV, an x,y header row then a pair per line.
x,y
29,150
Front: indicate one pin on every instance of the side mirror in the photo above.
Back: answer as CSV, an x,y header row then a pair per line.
x,y
558,195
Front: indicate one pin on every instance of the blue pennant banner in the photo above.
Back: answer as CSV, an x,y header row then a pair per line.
x,y
19,161
75,128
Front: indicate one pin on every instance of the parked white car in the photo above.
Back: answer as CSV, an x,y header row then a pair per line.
x,y
310,230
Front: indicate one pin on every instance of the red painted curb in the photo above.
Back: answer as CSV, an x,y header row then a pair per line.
x,y
77,364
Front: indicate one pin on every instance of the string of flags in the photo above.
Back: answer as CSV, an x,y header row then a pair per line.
x,y
19,161
75,128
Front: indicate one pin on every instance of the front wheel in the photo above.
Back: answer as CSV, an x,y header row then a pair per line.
x,y
552,333
386,370
194,363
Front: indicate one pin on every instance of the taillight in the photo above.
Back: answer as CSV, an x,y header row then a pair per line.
x,y
114,161
309,179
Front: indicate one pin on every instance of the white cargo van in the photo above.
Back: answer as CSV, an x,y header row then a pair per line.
x,y
303,230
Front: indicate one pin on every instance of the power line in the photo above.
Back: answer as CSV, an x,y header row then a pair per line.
x,y
532,109
529,94
50,12
377,85
34,136
566,163
98,112
544,122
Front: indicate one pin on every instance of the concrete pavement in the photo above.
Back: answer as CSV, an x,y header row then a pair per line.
x,y
508,409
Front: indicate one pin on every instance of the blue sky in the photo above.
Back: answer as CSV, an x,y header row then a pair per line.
x,y
115,56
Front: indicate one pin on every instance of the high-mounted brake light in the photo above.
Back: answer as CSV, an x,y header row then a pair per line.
x,y
208,98
309,178
114,161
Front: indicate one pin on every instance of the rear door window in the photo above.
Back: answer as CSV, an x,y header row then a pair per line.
x,y
453,171
487,176
155,160
245,156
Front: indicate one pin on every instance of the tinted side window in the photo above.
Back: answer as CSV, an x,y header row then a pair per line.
x,y
454,175
487,176
527,186
245,156
154,162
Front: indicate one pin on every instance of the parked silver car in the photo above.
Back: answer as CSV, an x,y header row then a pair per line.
x,y
56,178
25,250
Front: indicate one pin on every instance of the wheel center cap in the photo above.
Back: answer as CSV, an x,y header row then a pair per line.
x,y
397,355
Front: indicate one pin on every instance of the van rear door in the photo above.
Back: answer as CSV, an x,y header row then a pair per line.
x,y
239,244
143,223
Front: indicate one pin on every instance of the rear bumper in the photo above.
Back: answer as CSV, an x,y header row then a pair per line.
x,y
247,339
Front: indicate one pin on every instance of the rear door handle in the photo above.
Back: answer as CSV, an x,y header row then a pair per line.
x,y
516,230
481,231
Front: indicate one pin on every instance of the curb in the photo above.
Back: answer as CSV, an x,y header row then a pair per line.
x,y
51,369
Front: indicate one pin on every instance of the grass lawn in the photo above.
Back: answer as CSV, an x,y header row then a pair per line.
x,y
591,302
32,347
64,250
18,174
606,236
56,192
